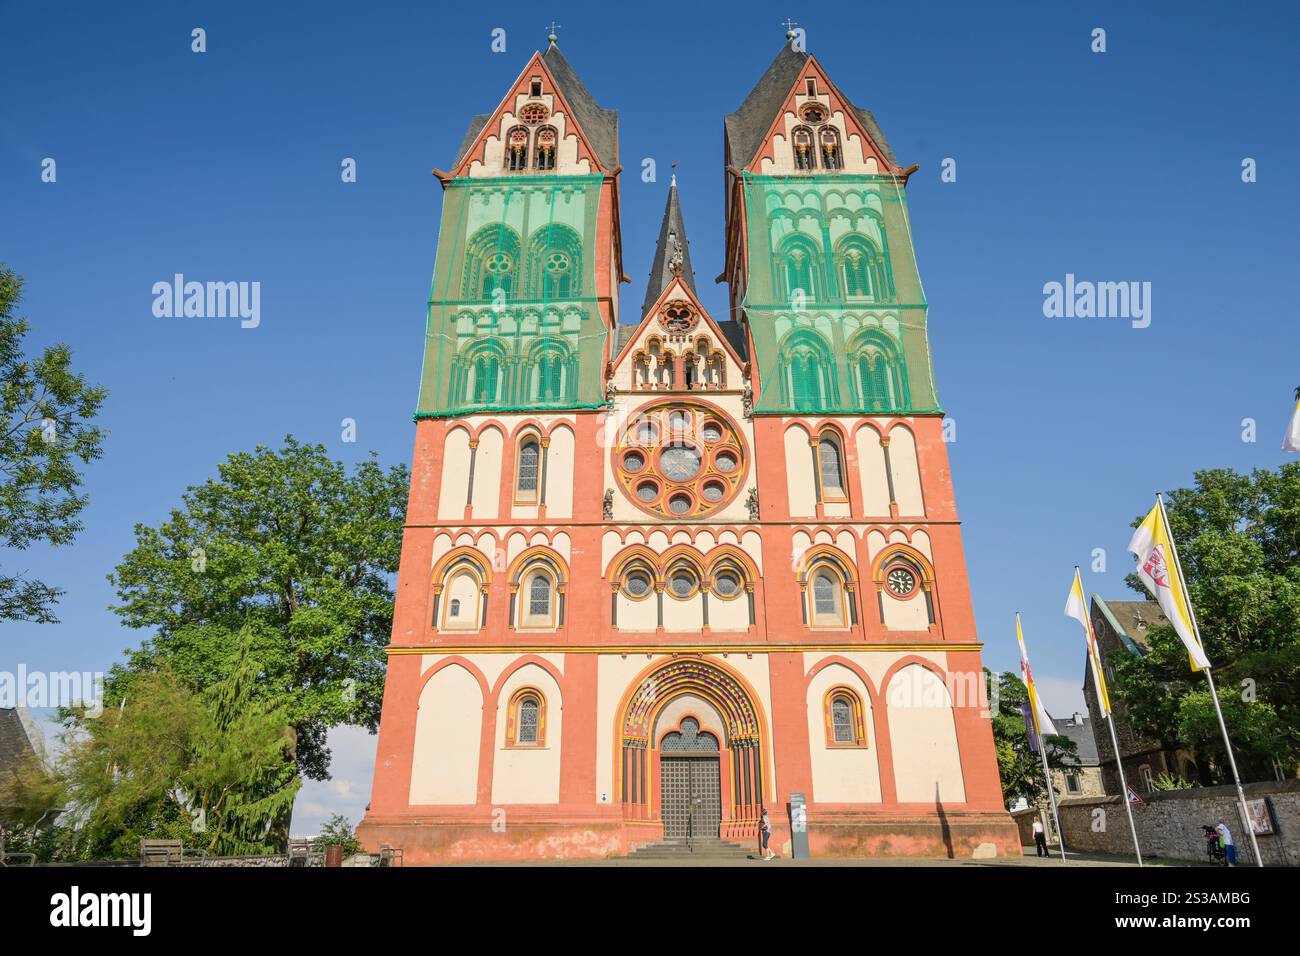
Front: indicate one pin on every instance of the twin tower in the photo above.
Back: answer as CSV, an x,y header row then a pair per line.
x,y
661,571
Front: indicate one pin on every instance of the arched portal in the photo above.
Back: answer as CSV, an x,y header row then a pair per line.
x,y
691,750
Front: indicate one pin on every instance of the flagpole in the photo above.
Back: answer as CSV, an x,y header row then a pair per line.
x,y
1110,722
1051,791
1214,694
1042,743
1123,787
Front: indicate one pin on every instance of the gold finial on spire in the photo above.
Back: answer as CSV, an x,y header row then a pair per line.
x,y
789,28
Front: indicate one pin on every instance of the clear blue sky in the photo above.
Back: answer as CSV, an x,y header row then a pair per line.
x,y
225,166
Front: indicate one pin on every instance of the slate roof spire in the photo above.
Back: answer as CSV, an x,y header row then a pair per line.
x,y
672,252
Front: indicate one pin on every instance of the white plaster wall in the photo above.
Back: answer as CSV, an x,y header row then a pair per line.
x,y
448,726
923,737
487,474
871,472
841,774
907,475
455,475
799,473
528,774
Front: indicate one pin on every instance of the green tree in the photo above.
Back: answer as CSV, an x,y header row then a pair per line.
x,y
1238,539
44,434
212,769
1020,768
287,549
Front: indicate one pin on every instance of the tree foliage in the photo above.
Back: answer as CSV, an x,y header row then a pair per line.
x,y
45,434
212,769
1238,540
1020,768
288,551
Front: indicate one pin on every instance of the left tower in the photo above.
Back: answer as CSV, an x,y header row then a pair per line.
x,y
502,502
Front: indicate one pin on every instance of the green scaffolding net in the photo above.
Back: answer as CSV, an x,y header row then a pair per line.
x,y
833,297
514,321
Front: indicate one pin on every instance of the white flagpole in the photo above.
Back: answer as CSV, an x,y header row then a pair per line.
x,y
1051,791
1123,786
1110,721
1227,743
1042,749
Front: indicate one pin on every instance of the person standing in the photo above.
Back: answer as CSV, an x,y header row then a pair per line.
x,y
765,828
1225,841
1040,838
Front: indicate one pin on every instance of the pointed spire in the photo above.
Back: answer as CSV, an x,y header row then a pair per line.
x,y
672,252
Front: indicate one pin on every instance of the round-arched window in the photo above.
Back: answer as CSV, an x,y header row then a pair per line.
x,y
679,459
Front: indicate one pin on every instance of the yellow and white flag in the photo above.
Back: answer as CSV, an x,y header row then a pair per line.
x,y
1292,440
1042,723
1158,569
1076,606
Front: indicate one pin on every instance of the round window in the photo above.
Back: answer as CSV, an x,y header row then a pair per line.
x,y
637,584
726,583
901,581
680,462
683,583
679,458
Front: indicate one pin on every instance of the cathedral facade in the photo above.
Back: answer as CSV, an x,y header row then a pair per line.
x,y
665,570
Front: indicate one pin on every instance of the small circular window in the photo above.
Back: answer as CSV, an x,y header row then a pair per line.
x,y
637,584
634,461
647,491
901,581
712,431
683,583
726,583
679,421
713,491
679,504
647,433
725,462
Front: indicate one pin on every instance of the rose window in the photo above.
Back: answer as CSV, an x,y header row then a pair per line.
x,y
679,460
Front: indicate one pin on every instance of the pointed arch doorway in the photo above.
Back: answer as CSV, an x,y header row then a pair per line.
x,y
691,748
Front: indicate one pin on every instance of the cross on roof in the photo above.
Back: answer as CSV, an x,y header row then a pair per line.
x,y
790,25
550,31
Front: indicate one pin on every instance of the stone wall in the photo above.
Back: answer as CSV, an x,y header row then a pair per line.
x,y
1168,824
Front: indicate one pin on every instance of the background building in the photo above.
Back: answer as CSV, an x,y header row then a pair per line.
x,y
1121,628
661,571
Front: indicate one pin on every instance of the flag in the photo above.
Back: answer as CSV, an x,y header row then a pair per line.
x,y
1030,733
1042,722
1076,606
1292,440
1158,569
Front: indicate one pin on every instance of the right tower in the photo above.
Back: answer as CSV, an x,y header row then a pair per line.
x,y
850,454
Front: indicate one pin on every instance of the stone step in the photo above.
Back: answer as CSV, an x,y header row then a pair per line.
x,y
697,849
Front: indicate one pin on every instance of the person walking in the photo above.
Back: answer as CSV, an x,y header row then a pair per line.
x,y
1040,838
765,828
1225,841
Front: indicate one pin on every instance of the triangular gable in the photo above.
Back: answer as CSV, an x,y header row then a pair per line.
x,y
677,289
839,103
492,128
